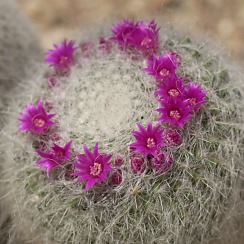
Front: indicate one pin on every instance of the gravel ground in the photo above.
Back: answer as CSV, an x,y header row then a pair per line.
x,y
222,20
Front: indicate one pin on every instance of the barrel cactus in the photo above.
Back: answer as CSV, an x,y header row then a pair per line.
x,y
136,137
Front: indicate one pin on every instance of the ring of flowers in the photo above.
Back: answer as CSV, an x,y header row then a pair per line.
x,y
179,99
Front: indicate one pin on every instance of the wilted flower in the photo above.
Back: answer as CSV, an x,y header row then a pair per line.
x,y
93,167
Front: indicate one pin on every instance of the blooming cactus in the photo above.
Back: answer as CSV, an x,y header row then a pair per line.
x,y
159,121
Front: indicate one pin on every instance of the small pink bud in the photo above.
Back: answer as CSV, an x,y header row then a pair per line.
x,y
116,177
53,81
48,105
172,137
56,137
87,49
162,163
105,46
119,160
138,164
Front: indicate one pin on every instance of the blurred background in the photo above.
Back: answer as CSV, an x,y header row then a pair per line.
x,y
221,20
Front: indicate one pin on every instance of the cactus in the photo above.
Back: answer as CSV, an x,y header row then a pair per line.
x,y
19,47
87,105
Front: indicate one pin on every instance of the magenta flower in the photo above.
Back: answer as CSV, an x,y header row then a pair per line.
x,y
139,36
122,32
195,95
138,164
57,156
172,137
162,163
172,88
62,57
163,67
35,119
148,140
93,167
174,112
62,152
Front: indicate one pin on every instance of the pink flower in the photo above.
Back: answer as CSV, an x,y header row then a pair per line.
x,y
62,57
172,137
140,36
138,164
162,163
62,152
93,167
163,67
175,112
116,177
35,119
149,140
55,157
172,88
195,95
